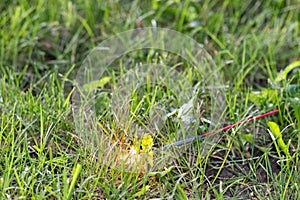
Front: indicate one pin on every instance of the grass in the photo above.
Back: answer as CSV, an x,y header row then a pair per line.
x,y
43,44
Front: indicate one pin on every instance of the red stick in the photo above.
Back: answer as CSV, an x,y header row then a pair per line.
x,y
189,140
244,122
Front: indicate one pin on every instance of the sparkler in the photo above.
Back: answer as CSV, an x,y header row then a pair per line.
x,y
201,137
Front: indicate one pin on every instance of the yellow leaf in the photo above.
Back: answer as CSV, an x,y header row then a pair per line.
x,y
89,87
142,192
275,130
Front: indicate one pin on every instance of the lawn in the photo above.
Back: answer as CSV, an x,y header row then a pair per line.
x,y
250,61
